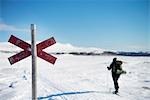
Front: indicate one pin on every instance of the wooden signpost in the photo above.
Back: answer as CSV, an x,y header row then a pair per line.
x,y
34,50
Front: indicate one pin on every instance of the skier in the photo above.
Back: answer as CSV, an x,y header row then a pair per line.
x,y
116,70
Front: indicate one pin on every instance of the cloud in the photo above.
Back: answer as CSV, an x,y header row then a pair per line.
x,y
5,27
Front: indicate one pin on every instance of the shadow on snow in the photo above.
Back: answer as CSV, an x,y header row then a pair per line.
x,y
66,93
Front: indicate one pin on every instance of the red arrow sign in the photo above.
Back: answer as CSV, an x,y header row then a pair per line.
x,y
27,50
43,54
46,57
23,54
46,43
20,43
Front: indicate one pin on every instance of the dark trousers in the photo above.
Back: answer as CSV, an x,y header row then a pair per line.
x,y
115,79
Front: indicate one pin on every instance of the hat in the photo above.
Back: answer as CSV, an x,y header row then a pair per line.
x,y
114,59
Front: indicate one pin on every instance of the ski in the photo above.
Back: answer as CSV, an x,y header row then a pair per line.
x,y
116,93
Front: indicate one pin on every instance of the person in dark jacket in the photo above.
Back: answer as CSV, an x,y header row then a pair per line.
x,y
116,70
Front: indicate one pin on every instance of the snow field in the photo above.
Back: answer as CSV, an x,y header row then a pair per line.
x,y
75,78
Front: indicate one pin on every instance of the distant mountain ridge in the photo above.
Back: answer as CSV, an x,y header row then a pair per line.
x,y
60,48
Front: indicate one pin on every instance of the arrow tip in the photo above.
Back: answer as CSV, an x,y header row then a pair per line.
x,y
11,60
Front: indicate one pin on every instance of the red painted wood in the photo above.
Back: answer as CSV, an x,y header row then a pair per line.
x,y
47,57
27,50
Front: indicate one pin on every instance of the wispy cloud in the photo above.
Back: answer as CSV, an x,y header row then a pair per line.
x,y
6,27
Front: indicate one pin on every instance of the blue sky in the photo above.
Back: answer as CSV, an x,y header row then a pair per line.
x,y
121,25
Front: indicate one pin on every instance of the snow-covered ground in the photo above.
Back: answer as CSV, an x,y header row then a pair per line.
x,y
75,78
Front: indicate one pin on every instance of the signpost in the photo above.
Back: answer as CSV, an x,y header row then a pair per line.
x,y
34,56
34,50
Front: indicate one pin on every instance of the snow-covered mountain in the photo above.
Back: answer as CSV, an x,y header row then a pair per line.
x,y
7,47
56,48
60,48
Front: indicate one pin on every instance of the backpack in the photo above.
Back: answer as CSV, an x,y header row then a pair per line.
x,y
119,68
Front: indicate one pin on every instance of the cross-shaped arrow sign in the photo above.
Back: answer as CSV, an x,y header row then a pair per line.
x,y
27,50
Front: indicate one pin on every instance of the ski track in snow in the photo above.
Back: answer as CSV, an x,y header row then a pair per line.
x,y
75,78
50,84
